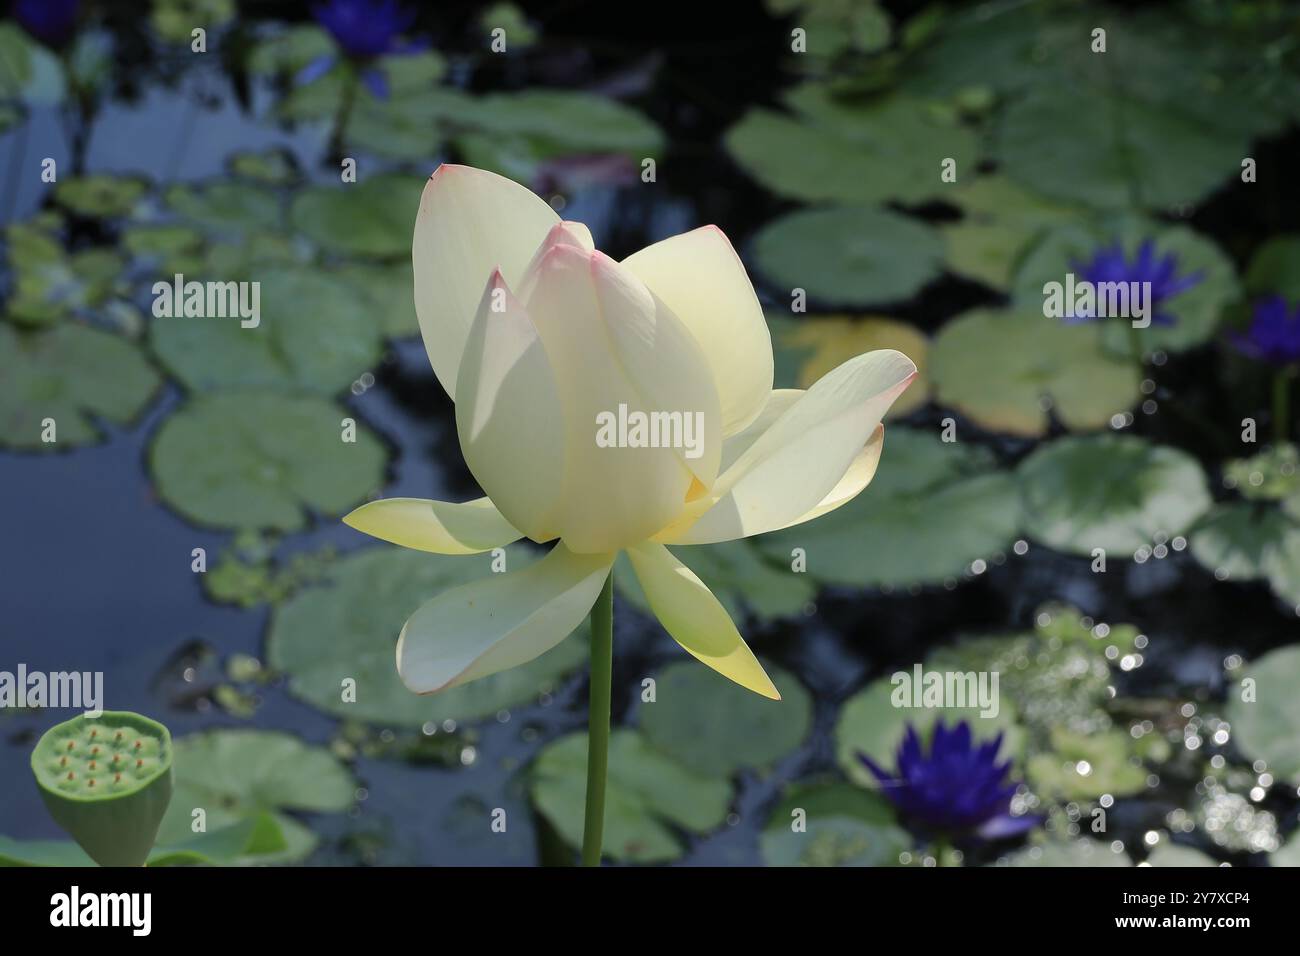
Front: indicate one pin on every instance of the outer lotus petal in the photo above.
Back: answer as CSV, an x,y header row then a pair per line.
x,y
500,622
470,222
801,459
613,497
692,615
854,480
664,364
438,526
508,414
701,279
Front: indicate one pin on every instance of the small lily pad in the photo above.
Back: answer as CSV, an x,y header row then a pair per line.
x,y
1265,713
714,726
168,248
1275,269
1005,369
234,775
345,629
270,167
1242,541
173,20
315,333
258,459
1084,766
101,195
1272,475
809,348
373,217
1195,311
933,508
648,796
832,824
73,374
870,724
849,255
1116,492
50,283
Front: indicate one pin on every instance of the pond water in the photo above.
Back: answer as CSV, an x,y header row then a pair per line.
x,y
97,550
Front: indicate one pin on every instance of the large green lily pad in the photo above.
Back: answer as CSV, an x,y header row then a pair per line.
x,y
1265,727
648,796
258,459
1005,369
316,333
73,374
1115,492
232,775
933,508
842,825
849,255
852,151
346,628
714,726
225,207
372,217
1196,311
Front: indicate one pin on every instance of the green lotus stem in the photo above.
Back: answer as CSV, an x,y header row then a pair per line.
x,y
1282,403
343,115
602,665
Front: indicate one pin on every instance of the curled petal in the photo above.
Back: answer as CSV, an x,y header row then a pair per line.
x,y
695,619
508,414
701,279
470,222
798,463
500,622
438,526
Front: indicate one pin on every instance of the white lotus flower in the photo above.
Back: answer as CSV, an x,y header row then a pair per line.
x,y
534,334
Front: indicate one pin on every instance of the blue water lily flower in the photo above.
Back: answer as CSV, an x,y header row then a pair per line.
x,y
53,22
364,30
1109,264
1273,335
957,789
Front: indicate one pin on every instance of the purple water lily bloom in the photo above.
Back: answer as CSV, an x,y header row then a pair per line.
x,y
1273,335
53,22
957,789
1109,264
363,30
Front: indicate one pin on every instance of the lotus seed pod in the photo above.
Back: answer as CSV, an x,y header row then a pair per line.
x,y
107,781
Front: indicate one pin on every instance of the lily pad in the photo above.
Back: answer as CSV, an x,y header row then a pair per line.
x,y
1275,269
870,724
254,836
841,150
389,292
270,167
807,349
566,122
738,575
1272,475
73,374
1006,369
101,195
373,217
174,19
346,628
933,508
233,209
1071,853
1196,311
50,283
713,726
1084,766
31,73
842,825
234,775
1000,221
167,248
849,255
1172,854
1265,727
648,796
1242,541
315,333
258,459
1115,492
